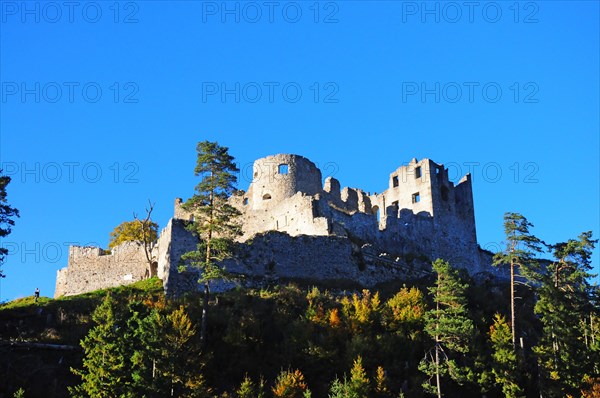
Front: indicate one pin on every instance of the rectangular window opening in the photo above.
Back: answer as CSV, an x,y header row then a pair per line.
x,y
418,172
394,181
283,169
416,198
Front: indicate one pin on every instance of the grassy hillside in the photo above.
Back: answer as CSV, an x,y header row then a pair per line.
x,y
60,324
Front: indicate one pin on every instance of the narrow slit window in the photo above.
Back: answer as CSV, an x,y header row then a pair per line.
x,y
418,172
283,169
416,198
394,181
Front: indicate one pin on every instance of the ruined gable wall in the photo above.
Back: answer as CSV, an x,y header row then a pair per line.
x,y
173,242
89,268
456,238
403,183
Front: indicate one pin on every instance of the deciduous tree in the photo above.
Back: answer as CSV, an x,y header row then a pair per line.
x,y
290,384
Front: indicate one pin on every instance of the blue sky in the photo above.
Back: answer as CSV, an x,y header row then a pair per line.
x,y
102,105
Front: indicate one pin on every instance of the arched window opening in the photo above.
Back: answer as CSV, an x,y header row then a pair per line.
x,y
376,212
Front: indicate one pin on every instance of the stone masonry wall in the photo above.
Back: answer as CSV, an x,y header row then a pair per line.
x,y
293,227
90,268
173,242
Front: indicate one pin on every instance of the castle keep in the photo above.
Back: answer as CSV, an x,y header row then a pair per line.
x,y
297,227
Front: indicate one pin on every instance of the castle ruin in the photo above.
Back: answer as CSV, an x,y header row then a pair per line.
x,y
297,227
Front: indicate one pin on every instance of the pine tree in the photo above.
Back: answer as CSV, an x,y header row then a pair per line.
x,y
215,220
566,300
20,393
450,328
341,389
519,254
247,389
106,371
7,215
504,365
171,355
356,387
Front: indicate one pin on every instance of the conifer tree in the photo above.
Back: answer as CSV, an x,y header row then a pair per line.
x,y
566,300
381,387
341,389
7,215
450,328
247,389
356,387
519,254
169,356
290,384
359,382
106,372
504,365
215,220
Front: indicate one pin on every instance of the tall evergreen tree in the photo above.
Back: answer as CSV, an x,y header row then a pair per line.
x,y
7,215
519,254
450,328
359,382
215,220
566,300
357,386
106,372
175,360
504,366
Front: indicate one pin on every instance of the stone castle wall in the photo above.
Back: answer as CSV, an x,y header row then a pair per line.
x,y
295,227
91,268
174,241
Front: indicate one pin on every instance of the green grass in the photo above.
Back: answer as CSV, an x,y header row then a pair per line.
x,y
66,320
150,286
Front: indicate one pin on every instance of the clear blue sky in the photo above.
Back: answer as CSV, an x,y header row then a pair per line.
x,y
102,107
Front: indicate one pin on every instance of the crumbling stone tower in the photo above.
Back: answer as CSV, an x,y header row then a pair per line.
x,y
423,189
